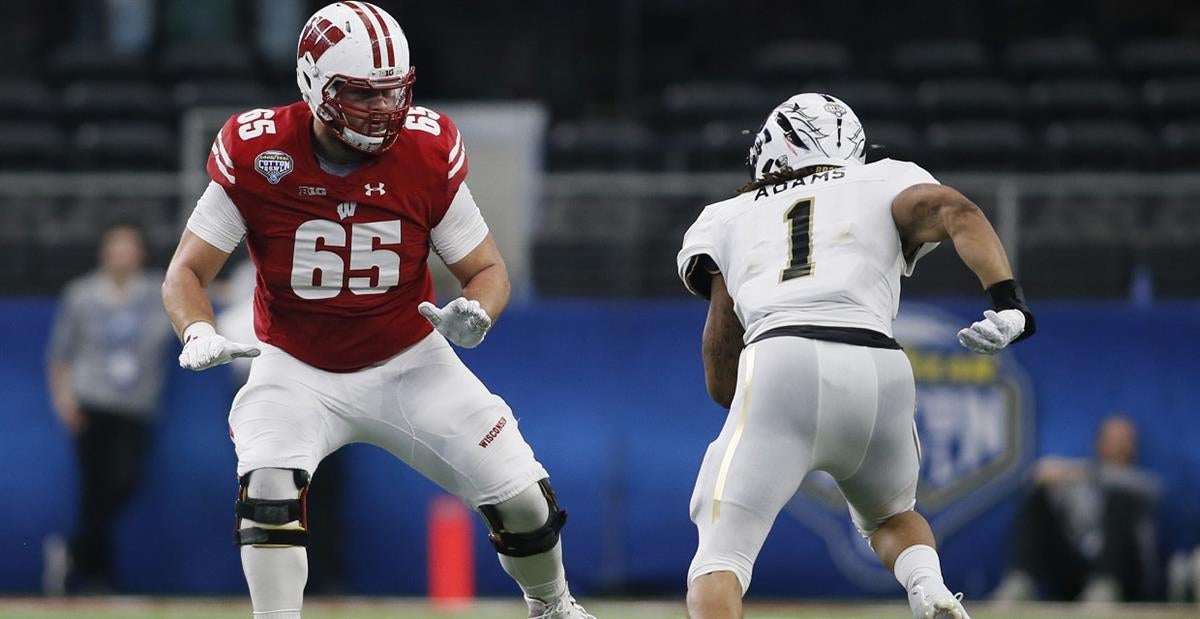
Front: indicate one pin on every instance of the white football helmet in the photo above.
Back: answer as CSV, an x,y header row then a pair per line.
x,y
356,46
807,129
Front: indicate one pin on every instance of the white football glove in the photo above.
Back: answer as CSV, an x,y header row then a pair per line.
x,y
462,321
203,348
997,330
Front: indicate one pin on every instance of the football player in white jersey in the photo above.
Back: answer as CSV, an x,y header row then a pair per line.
x,y
802,272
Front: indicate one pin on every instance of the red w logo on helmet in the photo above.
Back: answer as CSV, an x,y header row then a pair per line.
x,y
319,36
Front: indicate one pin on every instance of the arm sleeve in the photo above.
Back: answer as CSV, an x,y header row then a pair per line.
x,y
698,258
461,230
905,174
216,220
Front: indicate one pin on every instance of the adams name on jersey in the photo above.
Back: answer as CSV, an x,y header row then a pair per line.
x,y
341,259
820,250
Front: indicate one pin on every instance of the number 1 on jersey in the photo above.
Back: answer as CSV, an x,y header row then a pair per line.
x,y
799,219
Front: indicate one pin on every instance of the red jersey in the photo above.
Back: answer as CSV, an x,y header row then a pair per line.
x,y
341,260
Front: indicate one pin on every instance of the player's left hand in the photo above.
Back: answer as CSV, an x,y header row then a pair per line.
x,y
462,321
990,335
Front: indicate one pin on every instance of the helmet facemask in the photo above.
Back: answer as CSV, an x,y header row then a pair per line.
x,y
347,107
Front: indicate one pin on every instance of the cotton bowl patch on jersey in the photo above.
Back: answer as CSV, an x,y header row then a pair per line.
x,y
975,418
274,165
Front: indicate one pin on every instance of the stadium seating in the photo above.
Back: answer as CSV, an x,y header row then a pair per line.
x,y
953,102
1182,145
1053,58
944,58
25,99
1110,144
601,145
1079,98
800,60
198,62
30,146
900,92
125,146
691,102
974,145
222,92
894,140
1160,57
95,63
975,98
88,101
1172,98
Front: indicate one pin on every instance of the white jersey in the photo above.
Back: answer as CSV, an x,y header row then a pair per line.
x,y
821,250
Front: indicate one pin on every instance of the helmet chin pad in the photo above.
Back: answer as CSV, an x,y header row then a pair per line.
x,y
364,143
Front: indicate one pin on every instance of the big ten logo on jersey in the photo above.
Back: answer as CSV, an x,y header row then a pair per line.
x,y
975,422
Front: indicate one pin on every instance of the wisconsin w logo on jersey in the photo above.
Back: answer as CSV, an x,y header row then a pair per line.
x,y
346,209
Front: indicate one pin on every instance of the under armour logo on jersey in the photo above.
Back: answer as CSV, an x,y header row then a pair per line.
x,y
378,189
346,209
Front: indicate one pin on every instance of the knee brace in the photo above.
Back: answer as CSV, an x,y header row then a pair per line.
x,y
526,543
274,514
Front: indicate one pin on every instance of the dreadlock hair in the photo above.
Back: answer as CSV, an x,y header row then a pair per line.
x,y
783,175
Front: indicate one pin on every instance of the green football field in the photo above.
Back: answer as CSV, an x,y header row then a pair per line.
x,y
376,608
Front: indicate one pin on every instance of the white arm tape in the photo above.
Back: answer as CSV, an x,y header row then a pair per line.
x,y
216,220
461,230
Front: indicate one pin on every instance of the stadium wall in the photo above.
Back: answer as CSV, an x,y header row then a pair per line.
x,y
611,396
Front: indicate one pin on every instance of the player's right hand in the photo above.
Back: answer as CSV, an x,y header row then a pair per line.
x,y
203,348
990,335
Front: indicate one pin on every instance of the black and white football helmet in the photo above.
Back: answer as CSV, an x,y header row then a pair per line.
x,y
808,129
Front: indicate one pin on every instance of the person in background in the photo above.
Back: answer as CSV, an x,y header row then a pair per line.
x,y
105,374
1086,531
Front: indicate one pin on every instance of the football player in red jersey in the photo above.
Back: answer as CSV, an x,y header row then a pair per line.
x,y
339,199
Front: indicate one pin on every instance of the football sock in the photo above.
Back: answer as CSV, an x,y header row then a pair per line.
x,y
919,565
541,576
276,577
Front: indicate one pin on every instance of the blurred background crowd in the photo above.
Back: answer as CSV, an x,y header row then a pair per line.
x,y
1074,124
663,86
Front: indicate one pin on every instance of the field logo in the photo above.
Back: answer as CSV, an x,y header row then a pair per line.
x,y
975,421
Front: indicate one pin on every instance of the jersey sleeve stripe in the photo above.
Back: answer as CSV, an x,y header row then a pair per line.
x,y
221,166
370,32
457,145
387,36
458,166
222,153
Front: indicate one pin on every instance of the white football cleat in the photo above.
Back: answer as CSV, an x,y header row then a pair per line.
x,y
939,605
564,607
